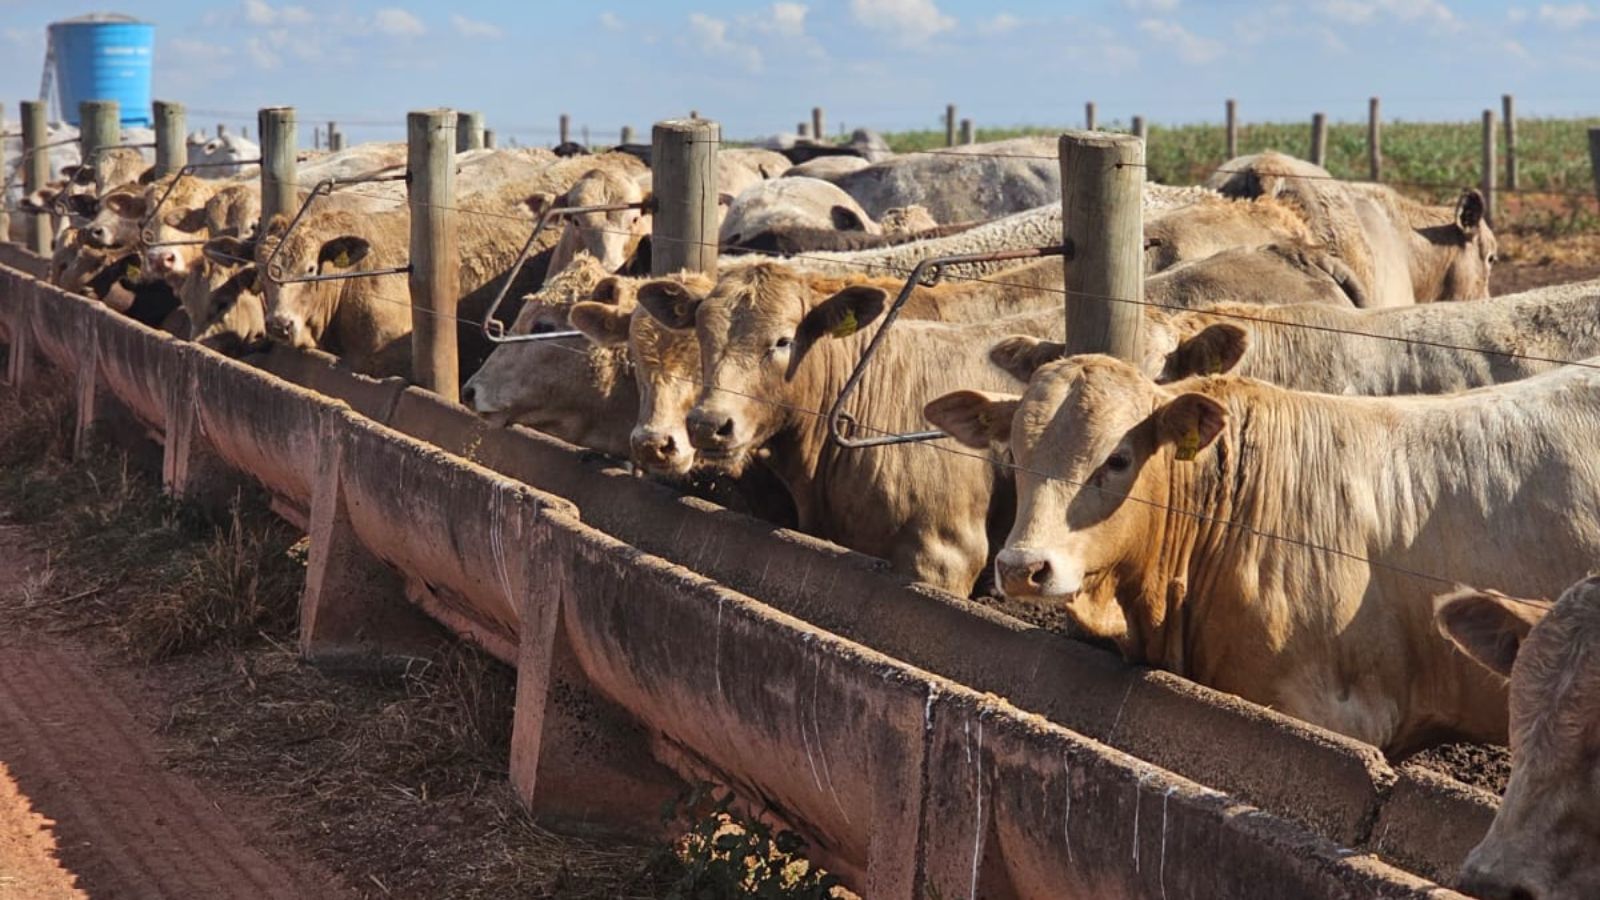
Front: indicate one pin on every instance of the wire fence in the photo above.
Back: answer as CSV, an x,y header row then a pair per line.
x,y
880,267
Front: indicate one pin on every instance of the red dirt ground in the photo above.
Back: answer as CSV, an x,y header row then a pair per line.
x,y
86,807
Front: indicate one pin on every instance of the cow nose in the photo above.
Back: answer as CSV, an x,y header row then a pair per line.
x,y
653,449
1487,885
101,235
469,393
1022,573
709,430
280,327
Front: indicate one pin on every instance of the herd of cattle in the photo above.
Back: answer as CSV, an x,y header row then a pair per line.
x,y
1275,498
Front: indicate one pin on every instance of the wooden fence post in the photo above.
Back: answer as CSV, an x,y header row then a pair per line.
x,y
1374,140
819,125
683,160
469,131
1102,213
1490,165
5,217
36,173
278,168
1091,121
1594,158
101,126
627,134
336,141
1139,130
803,129
966,131
221,129
435,258
172,143
488,139
1319,140
950,125
316,137
1233,128
1508,108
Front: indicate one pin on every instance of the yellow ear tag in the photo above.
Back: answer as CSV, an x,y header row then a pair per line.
x,y
847,326
134,271
1189,444
680,310
1213,365
343,259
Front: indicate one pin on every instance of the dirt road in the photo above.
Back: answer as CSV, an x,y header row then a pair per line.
x,y
86,807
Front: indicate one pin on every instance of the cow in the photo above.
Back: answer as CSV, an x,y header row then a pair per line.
x,y
1542,843
1402,251
1286,546
611,237
962,184
788,203
774,353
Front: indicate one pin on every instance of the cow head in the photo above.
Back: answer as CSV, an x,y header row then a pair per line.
x,y
325,243
117,220
1094,440
1468,247
755,328
1541,845
558,386
221,293
609,237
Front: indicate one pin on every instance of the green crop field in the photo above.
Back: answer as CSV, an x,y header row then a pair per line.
x,y
1431,160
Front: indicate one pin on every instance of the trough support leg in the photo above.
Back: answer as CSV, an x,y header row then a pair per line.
x,y
577,761
896,758
958,808
19,361
85,388
190,471
353,611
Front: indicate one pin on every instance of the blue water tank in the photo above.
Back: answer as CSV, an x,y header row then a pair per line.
x,y
104,56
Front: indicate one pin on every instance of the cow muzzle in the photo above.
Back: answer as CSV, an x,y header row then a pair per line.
x,y
99,236
659,453
712,431
1028,572
282,328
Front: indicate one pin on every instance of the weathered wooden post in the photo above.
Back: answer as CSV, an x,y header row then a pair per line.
x,y
336,141
1374,140
1490,165
221,129
316,137
435,258
469,131
172,143
627,134
35,164
5,217
100,127
1102,213
1508,108
683,158
488,139
1319,139
950,125
1139,130
1594,158
565,129
278,168
803,129
819,125
328,133
1233,128
966,131
244,132
1091,122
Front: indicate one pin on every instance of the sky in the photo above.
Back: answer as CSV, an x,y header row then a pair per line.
x,y
758,68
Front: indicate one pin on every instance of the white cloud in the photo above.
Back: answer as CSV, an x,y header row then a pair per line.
x,y
259,12
471,28
1517,14
1362,12
610,21
1191,47
396,22
711,34
789,19
1151,5
912,21
1000,24
261,55
1571,15
197,51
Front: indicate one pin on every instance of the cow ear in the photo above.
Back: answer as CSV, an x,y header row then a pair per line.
x,y
187,222
228,251
975,418
602,323
609,290
1488,626
343,252
1020,355
81,175
839,316
126,205
1190,422
1215,350
279,226
670,302
1469,213
846,219
540,202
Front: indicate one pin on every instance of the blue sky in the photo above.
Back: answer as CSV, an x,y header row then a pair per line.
x,y
759,67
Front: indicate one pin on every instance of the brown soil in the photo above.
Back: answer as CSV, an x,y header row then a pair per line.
x,y
1480,765
87,808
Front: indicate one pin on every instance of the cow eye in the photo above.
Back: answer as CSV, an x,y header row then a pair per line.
x,y
782,343
542,328
1118,462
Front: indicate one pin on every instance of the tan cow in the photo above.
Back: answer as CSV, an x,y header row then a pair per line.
x,y
1286,546
608,237
770,366
1543,843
